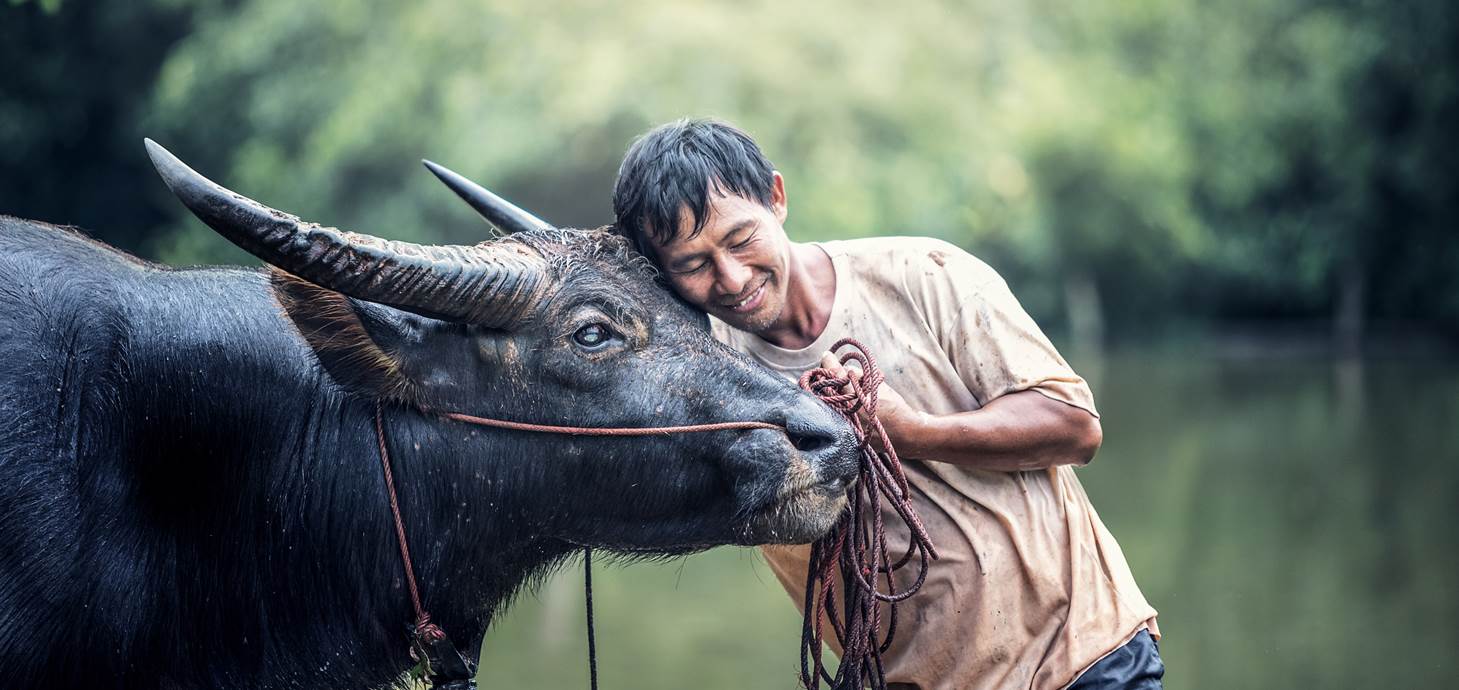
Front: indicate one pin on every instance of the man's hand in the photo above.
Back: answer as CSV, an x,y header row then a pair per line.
x,y
897,417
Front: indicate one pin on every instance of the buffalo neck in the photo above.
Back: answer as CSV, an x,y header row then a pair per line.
x,y
264,513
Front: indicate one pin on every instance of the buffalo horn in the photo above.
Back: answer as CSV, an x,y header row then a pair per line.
x,y
505,215
493,284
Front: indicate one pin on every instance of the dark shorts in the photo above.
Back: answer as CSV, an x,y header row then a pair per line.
x,y
1135,666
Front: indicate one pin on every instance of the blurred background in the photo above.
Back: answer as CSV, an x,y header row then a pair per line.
x,y
1239,219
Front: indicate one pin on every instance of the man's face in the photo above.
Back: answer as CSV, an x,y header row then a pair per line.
x,y
736,267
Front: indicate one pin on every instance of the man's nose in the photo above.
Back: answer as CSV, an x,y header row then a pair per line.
x,y
731,275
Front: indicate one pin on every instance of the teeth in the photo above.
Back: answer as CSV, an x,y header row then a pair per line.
x,y
747,299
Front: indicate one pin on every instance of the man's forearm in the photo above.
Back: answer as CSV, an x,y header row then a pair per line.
x,y
1019,431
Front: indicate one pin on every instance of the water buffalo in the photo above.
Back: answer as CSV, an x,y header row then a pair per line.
x,y
190,488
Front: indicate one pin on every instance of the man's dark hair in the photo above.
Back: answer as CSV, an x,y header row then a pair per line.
x,y
676,165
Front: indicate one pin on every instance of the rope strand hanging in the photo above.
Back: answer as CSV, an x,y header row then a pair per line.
x,y
855,550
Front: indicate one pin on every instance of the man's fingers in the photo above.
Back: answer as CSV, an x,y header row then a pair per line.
x,y
830,363
833,365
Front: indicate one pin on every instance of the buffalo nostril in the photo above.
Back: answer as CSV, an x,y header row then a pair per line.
x,y
810,442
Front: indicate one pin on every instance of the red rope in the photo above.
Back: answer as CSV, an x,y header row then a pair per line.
x,y
608,431
425,630
854,549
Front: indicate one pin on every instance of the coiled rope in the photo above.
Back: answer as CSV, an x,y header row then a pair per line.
x,y
855,550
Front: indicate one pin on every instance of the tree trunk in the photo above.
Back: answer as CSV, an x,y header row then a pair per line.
x,y
1349,310
1085,312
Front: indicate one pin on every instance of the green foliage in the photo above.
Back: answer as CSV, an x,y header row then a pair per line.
x,y
1188,160
76,77
47,6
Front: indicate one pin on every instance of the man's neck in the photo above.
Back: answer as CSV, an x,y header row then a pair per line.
x,y
810,292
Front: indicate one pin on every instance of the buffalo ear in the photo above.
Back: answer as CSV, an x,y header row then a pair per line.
x,y
347,336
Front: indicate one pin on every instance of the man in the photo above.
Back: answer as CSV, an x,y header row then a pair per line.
x,y
1031,590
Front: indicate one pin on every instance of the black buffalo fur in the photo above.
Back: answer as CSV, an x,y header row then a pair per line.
x,y
189,498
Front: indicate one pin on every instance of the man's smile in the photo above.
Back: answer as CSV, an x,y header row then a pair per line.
x,y
750,302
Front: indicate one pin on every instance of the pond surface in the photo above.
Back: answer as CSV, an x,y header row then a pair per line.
x,y
1292,518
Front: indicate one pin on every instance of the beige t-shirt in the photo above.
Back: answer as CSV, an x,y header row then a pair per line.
x,y
1031,589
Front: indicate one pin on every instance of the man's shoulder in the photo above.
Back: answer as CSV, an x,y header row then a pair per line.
x,y
889,245
911,261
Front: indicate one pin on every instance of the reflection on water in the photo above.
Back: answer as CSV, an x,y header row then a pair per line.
x,y
1291,519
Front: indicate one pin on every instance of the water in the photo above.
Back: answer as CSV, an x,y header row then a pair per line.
x,y
1291,518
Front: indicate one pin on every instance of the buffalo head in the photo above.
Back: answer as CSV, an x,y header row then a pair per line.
x,y
563,327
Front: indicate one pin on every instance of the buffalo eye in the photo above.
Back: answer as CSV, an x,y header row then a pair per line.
x,y
593,336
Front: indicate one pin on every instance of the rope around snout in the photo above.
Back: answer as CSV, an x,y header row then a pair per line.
x,y
608,431
856,548
429,644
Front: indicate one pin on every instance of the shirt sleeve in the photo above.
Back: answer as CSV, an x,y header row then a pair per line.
x,y
994,344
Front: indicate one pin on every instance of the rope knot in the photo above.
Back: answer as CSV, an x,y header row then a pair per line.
x,y
848,395
427,631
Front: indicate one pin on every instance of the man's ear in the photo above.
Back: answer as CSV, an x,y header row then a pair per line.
x,y
779,202
357,342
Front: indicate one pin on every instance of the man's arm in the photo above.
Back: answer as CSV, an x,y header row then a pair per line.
x,y
1024,430
1018,431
